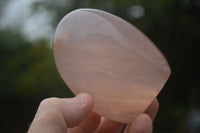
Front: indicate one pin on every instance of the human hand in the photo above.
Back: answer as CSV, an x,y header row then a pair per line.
x,y
74,115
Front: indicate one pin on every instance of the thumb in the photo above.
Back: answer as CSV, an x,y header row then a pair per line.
x,y
56,114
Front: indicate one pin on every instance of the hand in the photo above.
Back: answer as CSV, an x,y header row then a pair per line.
x,y
74,115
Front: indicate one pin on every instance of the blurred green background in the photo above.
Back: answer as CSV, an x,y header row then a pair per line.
x,y
28,73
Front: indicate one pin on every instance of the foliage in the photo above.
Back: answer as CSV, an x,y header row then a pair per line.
x,y
27,68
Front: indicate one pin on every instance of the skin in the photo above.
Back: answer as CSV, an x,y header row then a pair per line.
x,y
75,115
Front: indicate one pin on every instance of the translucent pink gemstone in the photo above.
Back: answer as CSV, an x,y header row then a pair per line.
x,y
103,55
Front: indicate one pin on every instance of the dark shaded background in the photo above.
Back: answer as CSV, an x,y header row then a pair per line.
x,y
28,73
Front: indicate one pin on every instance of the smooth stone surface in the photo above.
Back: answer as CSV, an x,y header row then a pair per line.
x,y
103,55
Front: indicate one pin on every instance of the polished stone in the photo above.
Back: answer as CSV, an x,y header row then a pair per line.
x,y
103,55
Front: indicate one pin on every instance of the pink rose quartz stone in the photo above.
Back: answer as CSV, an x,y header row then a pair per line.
x,y
103,55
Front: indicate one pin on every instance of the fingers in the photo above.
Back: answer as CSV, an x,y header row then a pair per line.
x,y
89,125
108,126
152,109
77,109
56,115
141,124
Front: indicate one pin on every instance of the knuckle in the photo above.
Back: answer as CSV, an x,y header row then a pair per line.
x,y
48,110
49,101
